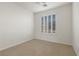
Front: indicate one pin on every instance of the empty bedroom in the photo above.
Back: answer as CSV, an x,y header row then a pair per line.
x,y
39,28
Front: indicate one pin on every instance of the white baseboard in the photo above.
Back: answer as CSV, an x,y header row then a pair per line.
x,y
14,44
55,42
76,50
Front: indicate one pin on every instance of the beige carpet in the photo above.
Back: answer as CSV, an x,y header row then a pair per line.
x,y
39,48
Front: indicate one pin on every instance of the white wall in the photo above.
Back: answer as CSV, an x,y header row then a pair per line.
x,y
63,25
16,25
76,27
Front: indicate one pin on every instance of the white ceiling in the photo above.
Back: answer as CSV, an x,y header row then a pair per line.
x,y
37,7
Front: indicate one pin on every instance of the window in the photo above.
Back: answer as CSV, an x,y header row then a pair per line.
x,y
45,23
54,25
41,24
48,23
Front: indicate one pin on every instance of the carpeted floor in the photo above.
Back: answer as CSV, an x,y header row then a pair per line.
x,y
39,48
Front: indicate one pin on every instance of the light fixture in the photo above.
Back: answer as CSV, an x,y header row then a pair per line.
x,y
44,4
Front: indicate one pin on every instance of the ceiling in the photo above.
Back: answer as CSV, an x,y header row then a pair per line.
x,y
38,6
